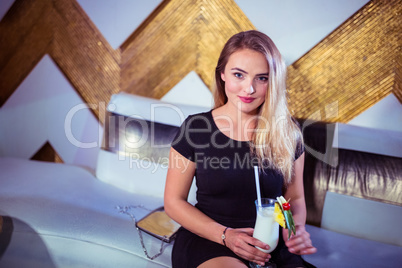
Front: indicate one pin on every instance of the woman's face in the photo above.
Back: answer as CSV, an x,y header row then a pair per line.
x,y
246,80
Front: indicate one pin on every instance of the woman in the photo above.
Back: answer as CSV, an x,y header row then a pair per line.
x,y
250,125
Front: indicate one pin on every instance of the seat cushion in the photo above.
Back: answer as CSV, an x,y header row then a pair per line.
x,y
71,216
363,218
336,250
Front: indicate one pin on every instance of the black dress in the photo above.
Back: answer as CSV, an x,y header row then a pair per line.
x,y
225,190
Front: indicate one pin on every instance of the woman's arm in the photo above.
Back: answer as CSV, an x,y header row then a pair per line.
x,y
178,182
301,242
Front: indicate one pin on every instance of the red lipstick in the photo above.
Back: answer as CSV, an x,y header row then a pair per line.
x,y
246,99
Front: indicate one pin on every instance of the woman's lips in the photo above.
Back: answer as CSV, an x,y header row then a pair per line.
x,y
246,99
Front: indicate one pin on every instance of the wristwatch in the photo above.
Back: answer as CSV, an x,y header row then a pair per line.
x,y
224,236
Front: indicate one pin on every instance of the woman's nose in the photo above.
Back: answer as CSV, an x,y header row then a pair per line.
x,y
251,90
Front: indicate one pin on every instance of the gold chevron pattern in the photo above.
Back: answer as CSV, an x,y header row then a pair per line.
x,y
179,37
62,29
354,67
351,69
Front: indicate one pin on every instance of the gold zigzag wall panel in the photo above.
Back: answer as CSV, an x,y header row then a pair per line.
x,y
62,29
25,36
181,37
351,69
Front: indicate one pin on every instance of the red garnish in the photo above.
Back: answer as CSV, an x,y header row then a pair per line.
x,y
286,206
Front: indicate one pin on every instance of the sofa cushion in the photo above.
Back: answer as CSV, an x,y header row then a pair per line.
x,y
135,175
54,206
362,174
336,250
363,218
137,138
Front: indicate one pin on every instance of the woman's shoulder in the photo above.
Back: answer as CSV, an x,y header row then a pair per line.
x,y
199,120
201,115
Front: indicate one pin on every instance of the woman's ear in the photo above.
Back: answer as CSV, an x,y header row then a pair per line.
x,y
223,77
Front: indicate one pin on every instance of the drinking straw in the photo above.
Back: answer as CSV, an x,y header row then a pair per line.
x,y
257,185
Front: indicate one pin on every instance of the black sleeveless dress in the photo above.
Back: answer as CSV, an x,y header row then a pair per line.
x,y
226,190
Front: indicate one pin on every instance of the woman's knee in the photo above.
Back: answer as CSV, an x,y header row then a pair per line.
x,y
222,262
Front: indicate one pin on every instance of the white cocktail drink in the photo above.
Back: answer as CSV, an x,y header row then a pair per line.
x,y
266,228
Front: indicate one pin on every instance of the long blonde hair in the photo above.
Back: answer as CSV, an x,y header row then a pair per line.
x,y
276,137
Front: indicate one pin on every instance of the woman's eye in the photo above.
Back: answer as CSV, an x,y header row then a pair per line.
x,y
262,79
238,75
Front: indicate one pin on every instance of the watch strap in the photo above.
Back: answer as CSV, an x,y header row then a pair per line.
x,y
224,236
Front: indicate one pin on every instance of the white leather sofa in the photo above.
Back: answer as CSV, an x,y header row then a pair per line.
x,y
58,215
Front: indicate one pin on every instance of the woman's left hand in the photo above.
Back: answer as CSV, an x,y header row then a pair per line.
x,y
300,243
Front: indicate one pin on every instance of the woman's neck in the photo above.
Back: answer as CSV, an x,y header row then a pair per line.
x,y
235,123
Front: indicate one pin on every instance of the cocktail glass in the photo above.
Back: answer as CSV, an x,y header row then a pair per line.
x,y
266,228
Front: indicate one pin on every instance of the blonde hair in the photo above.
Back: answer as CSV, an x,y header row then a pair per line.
x,y
276,137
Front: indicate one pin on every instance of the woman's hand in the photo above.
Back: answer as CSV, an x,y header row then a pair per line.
x,y
300,243
242,243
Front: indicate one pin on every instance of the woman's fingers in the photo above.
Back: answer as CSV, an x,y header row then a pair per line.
x,y
300,238
302,249
301,243
308,250
241,242
253,254
256,243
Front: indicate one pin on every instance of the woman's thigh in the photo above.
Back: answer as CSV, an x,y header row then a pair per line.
x,y
223,262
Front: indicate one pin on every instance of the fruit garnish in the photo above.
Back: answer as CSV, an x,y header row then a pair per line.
x,y
287,214
286,206
279,218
